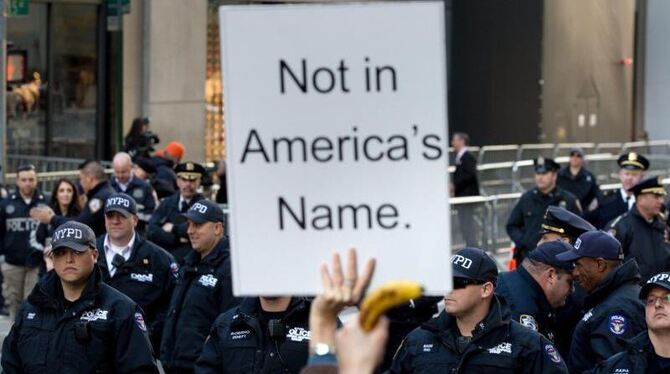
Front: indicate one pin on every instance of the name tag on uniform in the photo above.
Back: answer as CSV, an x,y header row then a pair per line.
x,y
143,278
298,334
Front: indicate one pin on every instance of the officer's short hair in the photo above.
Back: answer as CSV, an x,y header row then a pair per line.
x,y
94,169
464,136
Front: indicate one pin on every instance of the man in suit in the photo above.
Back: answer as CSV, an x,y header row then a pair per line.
x,y
465,183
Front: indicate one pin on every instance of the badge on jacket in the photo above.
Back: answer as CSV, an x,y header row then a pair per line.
x,y
528,321
617,324
95,205
552,353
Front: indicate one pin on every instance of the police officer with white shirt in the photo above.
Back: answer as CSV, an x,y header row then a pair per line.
x,y
140,269
203,290
125,181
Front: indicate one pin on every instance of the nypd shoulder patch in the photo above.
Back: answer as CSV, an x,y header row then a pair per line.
x,y
94,205
139,319
528,321
552,353
617,324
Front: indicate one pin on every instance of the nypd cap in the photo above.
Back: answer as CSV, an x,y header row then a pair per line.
x,y
475,264
122,203
594,244
73,235
204,211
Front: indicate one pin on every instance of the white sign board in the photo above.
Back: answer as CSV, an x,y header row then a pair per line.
x,y
336,136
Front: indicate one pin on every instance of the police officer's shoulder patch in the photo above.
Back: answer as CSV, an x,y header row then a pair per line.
x,y
94,205
617,324
528,321
9,209
551,351
174,269
138,193
139,319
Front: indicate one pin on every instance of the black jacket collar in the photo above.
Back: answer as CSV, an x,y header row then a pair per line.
x,y
218,254
250,308
49,291
627,273
98,187
498,317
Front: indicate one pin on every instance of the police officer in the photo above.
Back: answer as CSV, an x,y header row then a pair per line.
x,y
560,224
74,323
648,352
473,335
523,225
96,186
613,308
575,179
617,202
22,257
642,231
203,289
140,269
270,335
538,287
165,229
125,181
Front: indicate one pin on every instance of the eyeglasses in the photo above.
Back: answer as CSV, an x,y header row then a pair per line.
x,y
25,167
665,300
460,283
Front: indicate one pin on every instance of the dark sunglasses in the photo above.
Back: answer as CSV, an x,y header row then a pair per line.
x,y
460,283
25,167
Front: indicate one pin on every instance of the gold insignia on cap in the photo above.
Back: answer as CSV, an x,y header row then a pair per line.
x,y
145,261
632,156
189,166
540,160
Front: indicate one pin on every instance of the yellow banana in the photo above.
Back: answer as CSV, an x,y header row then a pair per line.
x,y
384,298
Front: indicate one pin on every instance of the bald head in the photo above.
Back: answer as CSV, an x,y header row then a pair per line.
x,y
123,165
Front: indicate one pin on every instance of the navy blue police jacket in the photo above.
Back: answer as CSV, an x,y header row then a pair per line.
x,y
498,345
143,194
176,241
584,185
93,213
102,332
203,291
613,311
239,342
638,357
610,207
16,227
647,242
525,221
527,303
147,277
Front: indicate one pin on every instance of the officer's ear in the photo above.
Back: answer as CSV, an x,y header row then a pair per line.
x,y
487,290
601,265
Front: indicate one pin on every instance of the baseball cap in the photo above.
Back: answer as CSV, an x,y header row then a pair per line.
x,y
190,170
474,263
577,151
633,161
122,203
204,211
661,280
650,185
73,235
544,165
564,222
547,251
594,244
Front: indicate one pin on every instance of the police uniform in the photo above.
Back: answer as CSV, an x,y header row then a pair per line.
x,y
241,342
169,210
613,203
143,194
203,291
583,185
101,332
92,214
525,221
23,254
16,227
647,242
497,345
527,301
639,355
147,276
613,310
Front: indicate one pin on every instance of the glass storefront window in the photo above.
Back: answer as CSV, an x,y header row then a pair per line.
x,y
53,111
